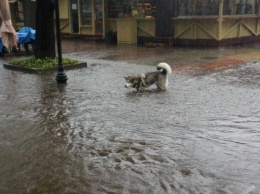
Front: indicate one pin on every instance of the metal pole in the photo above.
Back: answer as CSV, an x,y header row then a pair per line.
x,y
61,77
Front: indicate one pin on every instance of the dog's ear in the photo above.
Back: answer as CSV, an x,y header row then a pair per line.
x,y
125,77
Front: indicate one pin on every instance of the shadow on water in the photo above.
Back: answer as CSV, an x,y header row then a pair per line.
x,y
133,93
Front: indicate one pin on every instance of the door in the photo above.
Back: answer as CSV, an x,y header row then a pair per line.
x,y
98,17
164,13
74,16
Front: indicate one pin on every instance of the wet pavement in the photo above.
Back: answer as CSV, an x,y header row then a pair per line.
x,y
94,136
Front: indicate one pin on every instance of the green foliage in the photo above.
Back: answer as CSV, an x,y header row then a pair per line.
x,y
46,63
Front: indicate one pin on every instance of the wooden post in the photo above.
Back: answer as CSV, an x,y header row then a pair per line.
x,y
220,18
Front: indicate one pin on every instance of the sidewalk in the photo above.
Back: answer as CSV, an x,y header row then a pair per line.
x,y
225,62
180,58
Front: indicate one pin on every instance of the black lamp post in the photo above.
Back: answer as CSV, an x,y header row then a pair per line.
x,y
61,77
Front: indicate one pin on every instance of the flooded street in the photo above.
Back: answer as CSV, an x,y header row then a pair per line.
x,y
94,136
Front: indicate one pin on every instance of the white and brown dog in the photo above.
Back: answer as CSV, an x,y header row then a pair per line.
x,y
160,78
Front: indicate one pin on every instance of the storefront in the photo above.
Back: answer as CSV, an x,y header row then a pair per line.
x,y
187,22
82,18
216,22
130,20
77,17
141,20
17,13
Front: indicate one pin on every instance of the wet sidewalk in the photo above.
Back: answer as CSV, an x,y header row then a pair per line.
x,y
180,58
94,136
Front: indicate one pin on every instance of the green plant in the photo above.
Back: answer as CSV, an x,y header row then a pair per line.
x,y
32,62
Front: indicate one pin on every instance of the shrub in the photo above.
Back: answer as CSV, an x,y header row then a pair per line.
x,y
46,63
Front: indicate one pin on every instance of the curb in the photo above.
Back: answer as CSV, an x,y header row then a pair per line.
x,y
38,70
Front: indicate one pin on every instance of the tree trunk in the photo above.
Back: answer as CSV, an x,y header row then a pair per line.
x,y
29,10
45,34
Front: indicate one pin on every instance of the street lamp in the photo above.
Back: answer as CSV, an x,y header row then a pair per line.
x,y
61,77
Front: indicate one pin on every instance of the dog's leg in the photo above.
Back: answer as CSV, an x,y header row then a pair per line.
x,y
143,82
140,83
161,86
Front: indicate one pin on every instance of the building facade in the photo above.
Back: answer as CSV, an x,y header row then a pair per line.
x,y
184,22
22,13
216,22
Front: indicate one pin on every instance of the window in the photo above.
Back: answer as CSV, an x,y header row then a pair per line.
x,y
132,8
238,7
19,16
86,12
210,7
197,7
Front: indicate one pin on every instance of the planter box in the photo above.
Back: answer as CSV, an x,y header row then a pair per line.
x,y
39,70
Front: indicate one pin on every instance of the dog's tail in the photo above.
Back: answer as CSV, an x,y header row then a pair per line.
x,y
165,68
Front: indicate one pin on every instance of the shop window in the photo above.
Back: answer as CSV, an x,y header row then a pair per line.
x,y
18,7
86,12
241,7
132,8
197,7
210,7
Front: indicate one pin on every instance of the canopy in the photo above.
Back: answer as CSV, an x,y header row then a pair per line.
x,y
8,34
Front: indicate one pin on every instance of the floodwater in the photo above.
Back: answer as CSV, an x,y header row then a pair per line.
x,y
94,136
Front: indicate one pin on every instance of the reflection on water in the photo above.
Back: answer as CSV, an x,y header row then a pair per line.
x,y
94,136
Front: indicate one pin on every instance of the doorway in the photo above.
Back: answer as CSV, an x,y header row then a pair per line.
x,y
74,16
